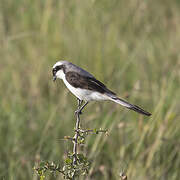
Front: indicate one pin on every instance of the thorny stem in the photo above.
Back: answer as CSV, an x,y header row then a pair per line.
x,y
74,168
76,133
92,131
76,139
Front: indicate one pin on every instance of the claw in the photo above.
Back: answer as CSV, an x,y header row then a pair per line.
x,y
78,112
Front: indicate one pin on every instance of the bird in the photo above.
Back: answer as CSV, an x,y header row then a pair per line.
x,y
87,88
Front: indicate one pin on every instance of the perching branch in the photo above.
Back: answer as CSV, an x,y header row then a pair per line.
x,y
75,164
76,134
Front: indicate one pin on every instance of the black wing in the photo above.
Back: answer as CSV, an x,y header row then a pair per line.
x,y
90,83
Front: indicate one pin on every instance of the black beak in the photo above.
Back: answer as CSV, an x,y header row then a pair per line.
x,y
54,74
54,78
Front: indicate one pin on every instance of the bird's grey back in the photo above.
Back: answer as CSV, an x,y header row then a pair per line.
x,y
73,67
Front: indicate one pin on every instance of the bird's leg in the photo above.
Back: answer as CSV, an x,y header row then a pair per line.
x,y
79,102
79,106
79,110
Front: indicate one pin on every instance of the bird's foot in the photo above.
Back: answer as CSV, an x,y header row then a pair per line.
x,y
78,112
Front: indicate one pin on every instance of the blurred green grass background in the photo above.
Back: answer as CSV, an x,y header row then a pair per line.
x,y
132,46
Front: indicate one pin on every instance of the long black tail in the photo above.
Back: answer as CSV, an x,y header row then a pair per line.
x,y
130,106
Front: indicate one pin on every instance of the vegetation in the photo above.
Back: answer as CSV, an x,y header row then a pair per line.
x,y
132,46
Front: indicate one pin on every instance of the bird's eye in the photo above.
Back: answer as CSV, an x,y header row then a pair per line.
x,y
57,68
54,71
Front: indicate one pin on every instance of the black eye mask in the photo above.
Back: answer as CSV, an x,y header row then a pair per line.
x,y
55,70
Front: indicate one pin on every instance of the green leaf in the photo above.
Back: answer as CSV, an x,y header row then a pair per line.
x,y
42,177
68,161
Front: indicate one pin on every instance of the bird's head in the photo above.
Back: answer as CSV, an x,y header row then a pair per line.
x,y
58,69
